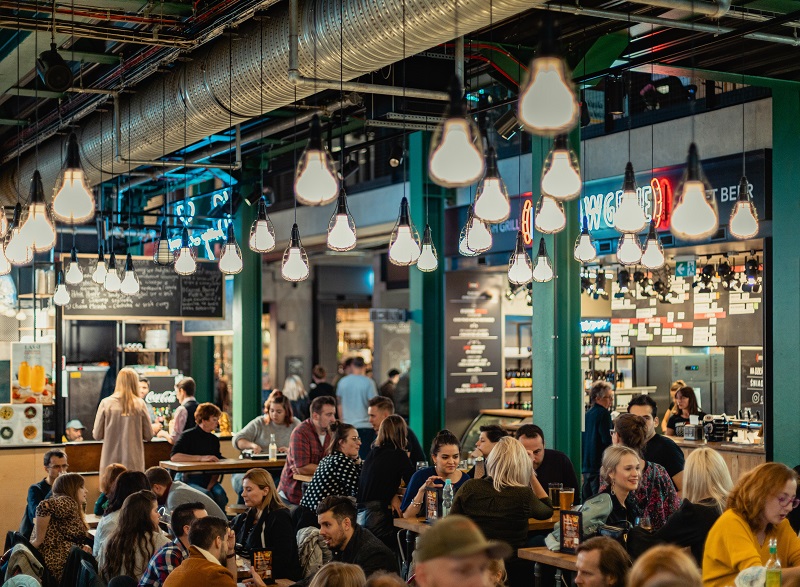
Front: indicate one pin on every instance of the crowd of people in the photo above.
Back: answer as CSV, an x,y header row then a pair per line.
x,y
671,521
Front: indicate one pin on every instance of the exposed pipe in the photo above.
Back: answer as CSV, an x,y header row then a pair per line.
x,y
460,59
716,9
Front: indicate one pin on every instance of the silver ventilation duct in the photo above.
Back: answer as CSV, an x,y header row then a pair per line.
x,y
373,32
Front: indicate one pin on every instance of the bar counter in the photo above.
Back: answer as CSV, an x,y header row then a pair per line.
x,y
740,458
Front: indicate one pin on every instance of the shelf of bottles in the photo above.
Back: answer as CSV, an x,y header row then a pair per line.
x,y
517,389
600,360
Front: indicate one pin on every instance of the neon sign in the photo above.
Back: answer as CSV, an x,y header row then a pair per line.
x,y
527,221
654,197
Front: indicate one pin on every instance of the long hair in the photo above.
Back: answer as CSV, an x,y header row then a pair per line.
x,y
127,389
336,574
69,484
134,535
393,431
689,394
509,464
263,480
126,484
340,432
279,399
293,388
110,475
755,487
706,477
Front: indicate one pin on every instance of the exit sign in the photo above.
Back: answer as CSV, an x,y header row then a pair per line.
x,y
685,268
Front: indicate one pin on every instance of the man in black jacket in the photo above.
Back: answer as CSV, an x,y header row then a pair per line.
x,y
55,463
596,436
349,542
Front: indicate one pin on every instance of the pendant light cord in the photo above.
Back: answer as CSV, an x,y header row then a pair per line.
x,y
230,122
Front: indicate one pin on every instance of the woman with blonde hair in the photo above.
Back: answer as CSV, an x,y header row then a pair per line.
x,y
621,471
706,484
59,523
294,389
664,565
267,524
123,419
336,574
757,512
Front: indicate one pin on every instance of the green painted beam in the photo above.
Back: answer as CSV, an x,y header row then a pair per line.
x,y
13,122
601,55
783,290
426,299
203,367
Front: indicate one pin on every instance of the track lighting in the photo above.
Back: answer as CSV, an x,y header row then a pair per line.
x,y
74,275
629,251
653,255
520,270
230,262
38,229
428,260
561,178
112,282
629,216
342,227
585,251
61,295
73,202
404,247
456,158
549,217
162,255
491,200
744,218
185,263
295,261
130,281
542,267
316,182
694,216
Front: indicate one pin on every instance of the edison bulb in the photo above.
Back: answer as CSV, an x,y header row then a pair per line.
x,y
294,267
112,282
653,256
73,203
99,274
130,283
743,223
61,295
629,216
520,270
428,260
184,262
456,161
561,180
341,236
38,231
74,275
550,215
543,269
693,218
629,251
231,260
404,250
585,251
547,104
479,237
17,251
491,201
316,183
262,239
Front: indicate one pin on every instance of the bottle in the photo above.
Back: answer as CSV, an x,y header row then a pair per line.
x,y
273,448
447,497
773,565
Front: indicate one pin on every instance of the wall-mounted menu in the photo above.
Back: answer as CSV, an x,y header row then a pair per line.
x,y
689,318
162,294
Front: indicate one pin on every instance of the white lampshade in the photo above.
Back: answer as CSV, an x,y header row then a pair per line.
x,y
341,226
74,274
73,202
112,282
653,255
585,250
130,281
185,263
262,233
547,104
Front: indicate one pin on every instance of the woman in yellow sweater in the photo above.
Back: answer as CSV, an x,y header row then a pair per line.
x,y
757,510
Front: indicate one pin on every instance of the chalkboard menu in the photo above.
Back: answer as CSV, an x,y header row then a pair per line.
x,y
163,294
214,326
751,379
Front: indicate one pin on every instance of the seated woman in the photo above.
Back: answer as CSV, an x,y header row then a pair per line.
x,y
446,453
706,484
488,437
386,465
337,474
126,484
757,510
59,523
656,497
620,472
107,480
134,541
685,406
199,444
665,565
267,524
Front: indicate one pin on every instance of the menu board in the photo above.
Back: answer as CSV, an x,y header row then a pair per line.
x,y
690,318
162,293
473,333
751,378
20,424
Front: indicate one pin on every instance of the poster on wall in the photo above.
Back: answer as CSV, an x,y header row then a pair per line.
x,y
20,424
751,379
32,373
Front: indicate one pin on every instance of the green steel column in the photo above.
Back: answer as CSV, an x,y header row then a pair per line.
x,y
426,299
203,367
247,326
784,289
557,383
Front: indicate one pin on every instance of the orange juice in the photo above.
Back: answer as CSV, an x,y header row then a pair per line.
x,y
38,379
24,375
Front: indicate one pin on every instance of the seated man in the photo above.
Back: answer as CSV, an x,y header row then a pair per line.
x,y
381,407
349,542
454,553
551,466
211,545
602,562
55,463
199,444
170,556
659,449
172,494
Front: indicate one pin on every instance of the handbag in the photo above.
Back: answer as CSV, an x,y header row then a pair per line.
x,y
618,533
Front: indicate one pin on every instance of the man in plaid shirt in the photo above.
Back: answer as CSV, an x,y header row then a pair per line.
x,y
307,447
171,555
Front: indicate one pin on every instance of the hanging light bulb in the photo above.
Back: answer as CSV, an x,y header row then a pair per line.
x,y
21,315
38,229
629,251
230,262
130,282
17,250
629,216
99,273
561,176
73,202
520,270
295,261
585,251
549,217
456,158
653,256
428,261
162,255
112,282
74,274
185,263
542,267
476,237
694,216
404,246
262,233
3,222
744,218
341,227
491,199
547,103
61,295
316,182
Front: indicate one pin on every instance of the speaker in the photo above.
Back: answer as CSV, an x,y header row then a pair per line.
x,y
53,70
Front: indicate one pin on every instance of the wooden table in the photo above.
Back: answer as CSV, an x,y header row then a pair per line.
x,y
419,526
303,478
541,555
92,520
223,466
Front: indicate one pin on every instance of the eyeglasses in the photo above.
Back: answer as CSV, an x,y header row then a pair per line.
x,y
58,467
785,500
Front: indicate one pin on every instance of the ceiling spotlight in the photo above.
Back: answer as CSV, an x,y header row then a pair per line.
x,y
396,155
54,71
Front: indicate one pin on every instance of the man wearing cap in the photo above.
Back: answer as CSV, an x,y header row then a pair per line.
x,y
454,553
74,431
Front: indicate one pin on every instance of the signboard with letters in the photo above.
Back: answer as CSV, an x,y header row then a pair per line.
x,y
751,379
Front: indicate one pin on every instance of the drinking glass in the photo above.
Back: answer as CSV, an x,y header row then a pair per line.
x,y
645,524
38,379
554,491
24,375
566,496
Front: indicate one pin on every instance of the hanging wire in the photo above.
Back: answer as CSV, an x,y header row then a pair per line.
x,y
295,149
